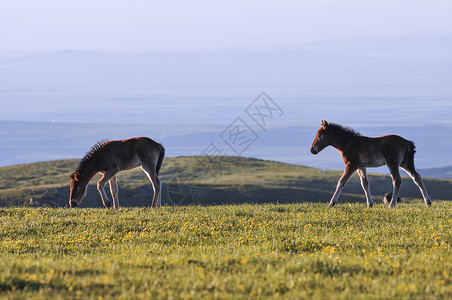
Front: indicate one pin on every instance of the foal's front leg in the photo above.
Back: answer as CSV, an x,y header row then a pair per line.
x,y
348,172
114,191
101,187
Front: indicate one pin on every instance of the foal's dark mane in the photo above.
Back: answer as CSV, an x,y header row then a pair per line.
x,y
343,131
89,155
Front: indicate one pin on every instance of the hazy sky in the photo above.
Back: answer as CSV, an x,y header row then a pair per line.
x,y
30,25
356,62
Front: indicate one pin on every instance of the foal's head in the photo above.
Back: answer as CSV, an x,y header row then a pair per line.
x,y
321,140
78,190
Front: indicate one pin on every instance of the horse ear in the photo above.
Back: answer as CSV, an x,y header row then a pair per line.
x,y
74,176
324,124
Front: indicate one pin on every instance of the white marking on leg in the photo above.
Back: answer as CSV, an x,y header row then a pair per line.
x,y
336,195
151,178
114,191
365,185
348,172
420,184
101,187
103,195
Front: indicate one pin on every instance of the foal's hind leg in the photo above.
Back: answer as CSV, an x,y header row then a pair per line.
x,y
418,181
156,184
114,191
159,198
396,182
365,184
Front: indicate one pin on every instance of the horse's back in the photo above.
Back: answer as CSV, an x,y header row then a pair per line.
x,y
395,141
129,153
396,148
139,143
147,144
378,151
381,141
148,150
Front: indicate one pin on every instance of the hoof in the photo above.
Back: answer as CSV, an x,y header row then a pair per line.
x,y
370,205
73,204
332,204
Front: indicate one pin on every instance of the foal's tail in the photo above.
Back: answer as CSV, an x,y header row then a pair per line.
x,y
161,156
409,156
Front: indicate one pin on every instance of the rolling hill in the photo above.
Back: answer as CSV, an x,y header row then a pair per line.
x,y
203,180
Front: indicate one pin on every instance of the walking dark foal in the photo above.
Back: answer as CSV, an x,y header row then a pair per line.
x,y
360,152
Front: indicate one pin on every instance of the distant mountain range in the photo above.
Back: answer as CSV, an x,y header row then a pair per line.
x,y
444,172
28,142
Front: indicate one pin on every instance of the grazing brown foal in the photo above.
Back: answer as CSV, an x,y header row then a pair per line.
x,y
108,158
360,152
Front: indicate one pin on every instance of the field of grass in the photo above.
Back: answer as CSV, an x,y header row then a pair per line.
x,y
269,251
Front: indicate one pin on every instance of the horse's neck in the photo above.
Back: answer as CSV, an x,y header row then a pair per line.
x,y
87,174
341,144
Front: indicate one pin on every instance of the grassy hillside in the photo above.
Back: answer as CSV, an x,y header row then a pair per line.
x,y
270,251
203,180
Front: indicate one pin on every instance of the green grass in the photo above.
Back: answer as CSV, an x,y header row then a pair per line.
x,y
269,251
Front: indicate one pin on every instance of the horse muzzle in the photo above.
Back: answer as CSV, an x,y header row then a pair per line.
x,y
314,151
